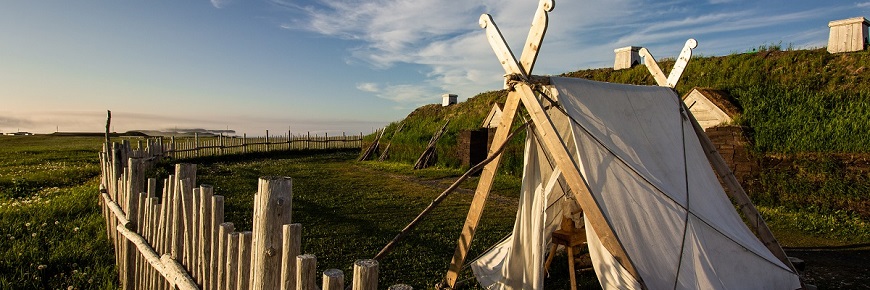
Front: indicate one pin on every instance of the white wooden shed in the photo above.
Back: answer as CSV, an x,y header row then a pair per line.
x,y
626,57
711,107
448,99
494,118
848,35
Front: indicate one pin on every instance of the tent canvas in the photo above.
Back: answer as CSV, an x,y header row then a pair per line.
x,y
645,167
637,163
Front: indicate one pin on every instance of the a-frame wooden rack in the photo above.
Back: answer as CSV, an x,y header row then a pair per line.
x,y
519,80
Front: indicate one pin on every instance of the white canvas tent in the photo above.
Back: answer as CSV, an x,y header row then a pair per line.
x,y
637,163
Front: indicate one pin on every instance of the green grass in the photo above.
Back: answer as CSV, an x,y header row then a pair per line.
x,y
349,210
52,235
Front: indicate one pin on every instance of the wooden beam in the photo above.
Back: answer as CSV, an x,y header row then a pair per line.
x,y
653,67
681,62
509,63
536,36
679,66
555,145
487,176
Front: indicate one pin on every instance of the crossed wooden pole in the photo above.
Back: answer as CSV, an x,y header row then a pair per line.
x,y
521,92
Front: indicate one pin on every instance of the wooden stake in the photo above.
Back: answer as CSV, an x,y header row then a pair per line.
x,y
217,220
244,270
291,247
365,275
223,244
273,209
233,261
333,279
306,267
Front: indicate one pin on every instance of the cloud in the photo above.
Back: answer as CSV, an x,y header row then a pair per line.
x,y
368,87
862,4
220,3
443,36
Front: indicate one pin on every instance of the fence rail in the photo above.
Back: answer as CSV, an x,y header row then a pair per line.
x,y
175,236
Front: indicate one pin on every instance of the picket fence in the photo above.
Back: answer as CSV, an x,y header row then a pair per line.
x,y
175,236
197,146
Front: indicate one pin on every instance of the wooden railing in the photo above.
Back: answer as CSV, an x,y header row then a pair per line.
x,y
175,236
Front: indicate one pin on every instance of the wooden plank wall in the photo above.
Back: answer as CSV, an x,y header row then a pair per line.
x,y
176,237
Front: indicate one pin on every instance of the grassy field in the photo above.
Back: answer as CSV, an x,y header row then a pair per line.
x,y
53,236
349,210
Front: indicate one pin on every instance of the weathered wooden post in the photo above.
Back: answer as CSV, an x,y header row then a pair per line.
x,y
272,209
308,141
306,268
333,279
267,141
196,144
244,271
292,243
217,219
233,261
223,244
365,275
205,232
244,142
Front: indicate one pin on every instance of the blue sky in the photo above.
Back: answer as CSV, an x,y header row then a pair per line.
x,y
331,65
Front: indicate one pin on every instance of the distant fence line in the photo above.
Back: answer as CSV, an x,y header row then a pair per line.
x,y
175,237
196,146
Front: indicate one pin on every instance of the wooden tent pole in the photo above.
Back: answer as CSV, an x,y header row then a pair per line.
x,y
554,144
487,176
527,62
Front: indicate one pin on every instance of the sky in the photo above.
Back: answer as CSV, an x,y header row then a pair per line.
x,y
332,66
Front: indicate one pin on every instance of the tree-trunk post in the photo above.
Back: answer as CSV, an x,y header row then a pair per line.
x,y
217,220
333,279
292,243
272,209
365,275
205,233
306,268
233,261
244,271
223,244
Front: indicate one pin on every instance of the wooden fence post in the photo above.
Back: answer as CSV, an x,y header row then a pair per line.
x,y
217,219
233,261
292,244
308,141
223,244
244,270
306,268
205,233
333,279
244,142
365,275
273,204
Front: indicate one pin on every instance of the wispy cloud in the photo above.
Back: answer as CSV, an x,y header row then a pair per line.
x,y
220,3
443,36
862,4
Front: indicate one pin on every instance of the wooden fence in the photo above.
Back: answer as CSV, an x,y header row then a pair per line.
x,y
175,236
196,146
